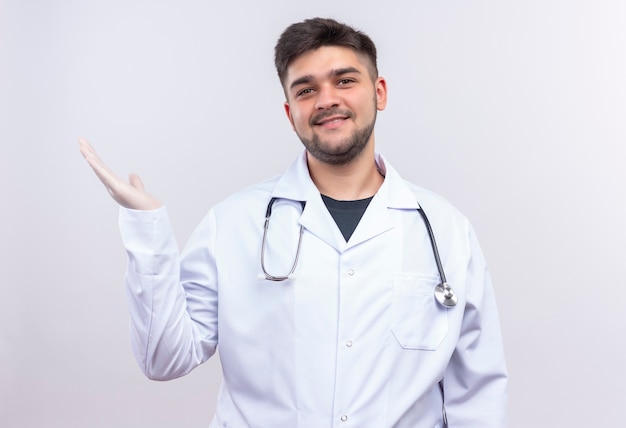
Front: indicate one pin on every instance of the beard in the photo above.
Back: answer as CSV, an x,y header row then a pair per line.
x,y
342,152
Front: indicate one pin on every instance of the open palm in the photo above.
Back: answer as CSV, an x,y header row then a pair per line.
x,y
129,194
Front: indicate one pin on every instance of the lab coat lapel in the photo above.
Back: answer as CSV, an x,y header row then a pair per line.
x,y
317,220
393,194
296,184
375,220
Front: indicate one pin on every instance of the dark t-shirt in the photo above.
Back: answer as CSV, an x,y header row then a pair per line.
x,y
346,214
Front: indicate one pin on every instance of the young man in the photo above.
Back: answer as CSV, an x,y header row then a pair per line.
x,y
334,314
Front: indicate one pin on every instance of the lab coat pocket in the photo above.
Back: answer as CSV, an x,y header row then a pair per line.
x,y
418,321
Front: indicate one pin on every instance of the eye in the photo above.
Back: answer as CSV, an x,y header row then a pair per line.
x,y
304,92
344,82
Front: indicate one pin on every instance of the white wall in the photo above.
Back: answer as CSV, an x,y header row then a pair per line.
x,y
515,111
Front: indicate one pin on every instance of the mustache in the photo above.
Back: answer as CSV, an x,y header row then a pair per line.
x,y
330,113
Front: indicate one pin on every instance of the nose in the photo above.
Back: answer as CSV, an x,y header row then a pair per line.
x,y
327,98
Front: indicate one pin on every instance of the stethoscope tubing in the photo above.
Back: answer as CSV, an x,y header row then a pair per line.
x,y
443,291
433,244
268,214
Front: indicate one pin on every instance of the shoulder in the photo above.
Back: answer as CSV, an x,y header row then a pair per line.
x,y
440,211
431,201
238,212
402,193
245,199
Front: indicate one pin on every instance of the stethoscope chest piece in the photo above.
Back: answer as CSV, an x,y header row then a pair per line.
x,y
445,295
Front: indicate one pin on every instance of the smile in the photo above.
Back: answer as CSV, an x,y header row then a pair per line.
x,y
331,120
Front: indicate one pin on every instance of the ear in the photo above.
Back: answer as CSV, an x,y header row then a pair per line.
x,y
288,112
381,93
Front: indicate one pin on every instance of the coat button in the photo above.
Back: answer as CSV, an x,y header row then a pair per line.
x,y
344,418
349,344
351,272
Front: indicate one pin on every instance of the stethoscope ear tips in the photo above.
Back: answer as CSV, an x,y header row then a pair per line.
x,y
445,295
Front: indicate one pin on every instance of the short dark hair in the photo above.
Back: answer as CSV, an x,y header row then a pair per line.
x,y
311,34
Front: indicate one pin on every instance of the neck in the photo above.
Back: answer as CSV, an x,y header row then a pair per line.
x,y
359,179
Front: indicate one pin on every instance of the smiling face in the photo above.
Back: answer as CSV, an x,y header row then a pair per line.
x,y
332,100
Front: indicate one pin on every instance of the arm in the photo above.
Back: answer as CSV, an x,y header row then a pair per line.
x,y
475,381
173,326
172,300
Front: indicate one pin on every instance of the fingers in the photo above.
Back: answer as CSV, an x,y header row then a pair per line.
x,y
89,153
86,150
104,174
129,195
84,146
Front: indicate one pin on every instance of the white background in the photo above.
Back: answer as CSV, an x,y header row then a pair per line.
x,y
513,110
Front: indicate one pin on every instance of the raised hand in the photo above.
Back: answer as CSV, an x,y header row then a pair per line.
x,y
129,194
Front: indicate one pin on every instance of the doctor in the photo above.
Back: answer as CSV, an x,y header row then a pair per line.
x,y
329,317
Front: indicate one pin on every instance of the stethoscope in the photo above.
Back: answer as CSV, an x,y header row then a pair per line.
x,y
444,294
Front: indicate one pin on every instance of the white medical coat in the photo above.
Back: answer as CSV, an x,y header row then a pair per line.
x,y
354,339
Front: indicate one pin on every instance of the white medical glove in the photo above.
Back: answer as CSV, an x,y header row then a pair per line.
x,y
129,195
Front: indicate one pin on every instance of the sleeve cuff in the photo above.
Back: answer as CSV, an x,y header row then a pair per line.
x,y
147,232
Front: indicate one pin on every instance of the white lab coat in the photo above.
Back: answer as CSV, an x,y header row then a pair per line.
x,y
354,339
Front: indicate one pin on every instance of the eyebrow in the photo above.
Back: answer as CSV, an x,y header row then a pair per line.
x,y
333,73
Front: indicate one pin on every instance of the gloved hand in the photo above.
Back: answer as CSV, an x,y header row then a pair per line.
x,y
129,195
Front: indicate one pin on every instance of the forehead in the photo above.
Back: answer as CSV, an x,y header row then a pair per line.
x,y
322,61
